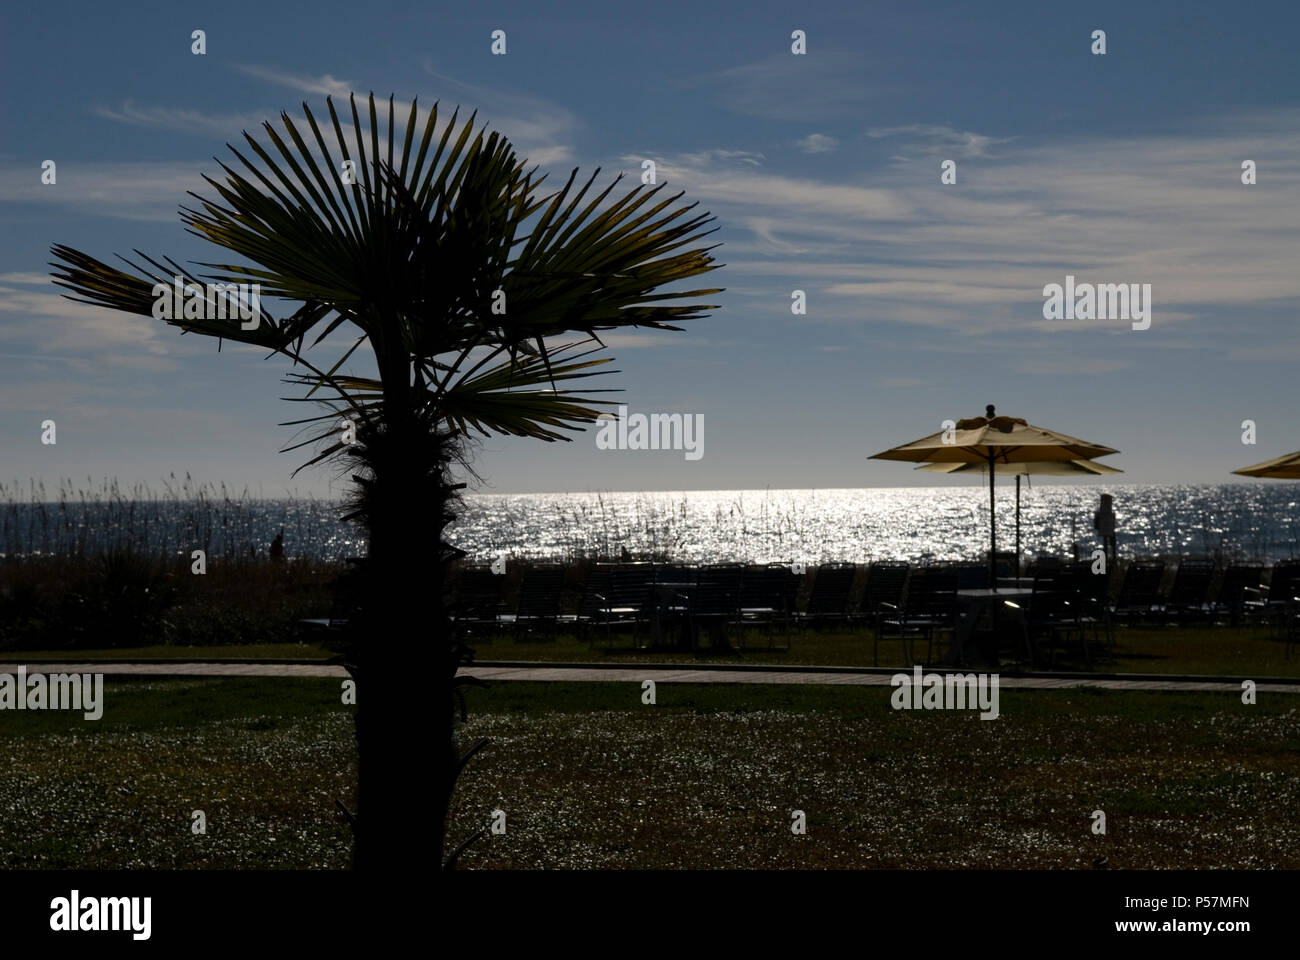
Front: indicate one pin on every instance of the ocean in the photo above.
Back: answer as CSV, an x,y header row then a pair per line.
x,y
1258,521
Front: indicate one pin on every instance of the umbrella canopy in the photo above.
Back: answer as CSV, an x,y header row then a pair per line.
x,y
1283,468
1036,468
992,441
1002,440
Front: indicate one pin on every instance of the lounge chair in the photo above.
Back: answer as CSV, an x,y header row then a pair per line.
x,y
1189,595
831,595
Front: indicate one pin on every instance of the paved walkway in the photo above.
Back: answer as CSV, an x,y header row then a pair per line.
x,y
560,672
660,673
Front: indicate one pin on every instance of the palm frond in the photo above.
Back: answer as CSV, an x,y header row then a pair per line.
x,y
442,254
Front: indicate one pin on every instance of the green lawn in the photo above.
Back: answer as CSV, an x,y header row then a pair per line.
x,y
257,651
1213,651
589,777
264,759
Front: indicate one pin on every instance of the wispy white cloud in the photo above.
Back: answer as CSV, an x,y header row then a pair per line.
x,y
730,177
51,323
619,340
540,129
701,158
817,86
129,190
552,156
226,126
901,247
938,139
765,228
817,143
326,85
154,191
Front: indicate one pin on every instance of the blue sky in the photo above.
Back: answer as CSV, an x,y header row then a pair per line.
x,y
924,300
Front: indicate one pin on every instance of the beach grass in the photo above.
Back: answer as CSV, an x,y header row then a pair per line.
x,y
149,606
86,519
63,603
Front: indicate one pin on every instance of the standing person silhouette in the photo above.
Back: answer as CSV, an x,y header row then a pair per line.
x,y
277,546
1103,521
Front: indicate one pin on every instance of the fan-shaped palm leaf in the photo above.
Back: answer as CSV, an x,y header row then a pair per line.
x,y
432,254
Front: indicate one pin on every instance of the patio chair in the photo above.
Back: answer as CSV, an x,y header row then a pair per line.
x,y
618,598
1241,593
1087,593
1056,616
1189,596
1139,591
1291,626
1043,563
1004,562
886,585
929,608
767,598
973,576
675,573
714,602
1283,589
478,607
539,604
593,587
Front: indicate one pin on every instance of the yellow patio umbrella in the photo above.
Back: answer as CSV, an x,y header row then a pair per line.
x,y
1286,467
995,441
1035,468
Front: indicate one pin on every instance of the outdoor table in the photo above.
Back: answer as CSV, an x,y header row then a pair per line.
x,y
974,604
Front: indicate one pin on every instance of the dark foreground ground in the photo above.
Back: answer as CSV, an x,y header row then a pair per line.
x,y
589,777
264,759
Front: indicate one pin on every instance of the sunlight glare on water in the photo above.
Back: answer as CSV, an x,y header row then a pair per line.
x,y
1259,522
940,523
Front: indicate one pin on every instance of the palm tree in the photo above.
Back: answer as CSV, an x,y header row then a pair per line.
x,y
479,299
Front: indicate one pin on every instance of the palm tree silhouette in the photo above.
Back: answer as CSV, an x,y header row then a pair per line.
x,y
480,299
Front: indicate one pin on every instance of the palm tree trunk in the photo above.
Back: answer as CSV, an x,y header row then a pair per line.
x,y
395,655
445,647
405,646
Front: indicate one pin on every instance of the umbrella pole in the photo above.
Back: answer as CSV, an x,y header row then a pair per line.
x,y
993,530
1017,525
